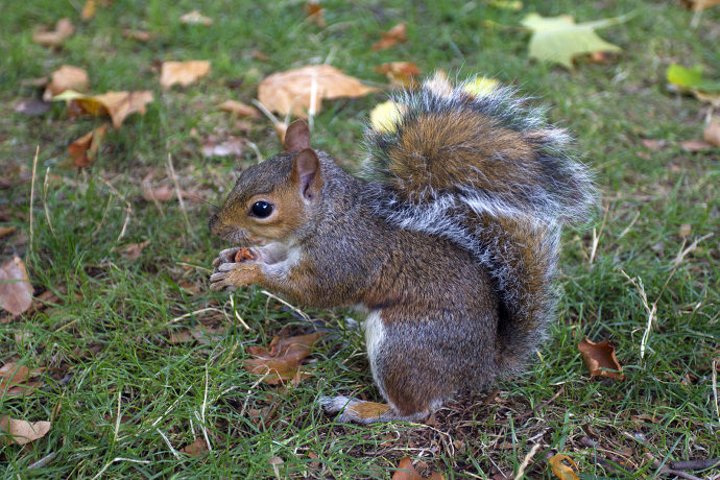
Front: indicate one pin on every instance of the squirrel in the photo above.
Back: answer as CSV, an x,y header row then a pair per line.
x,y
449,240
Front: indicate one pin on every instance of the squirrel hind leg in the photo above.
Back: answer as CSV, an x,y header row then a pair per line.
x,y
351,410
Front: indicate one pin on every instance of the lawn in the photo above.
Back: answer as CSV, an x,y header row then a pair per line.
x,y
140,359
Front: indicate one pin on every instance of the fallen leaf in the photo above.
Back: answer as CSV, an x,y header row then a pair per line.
x,y
302,90
691,79
397,34
685,230
406,471
14,380
698,5
560,39
84,150
281,361
243,254
384,118
711,134
183,73
182,336
481,86
5,231
314,13
133,251
117,105
89,10
139,35
66,78
563,471
654,145
15,289
162,193
403,74
231,146
239,109
196,448
32,107
196,18
692,146
22,432
64,29
600,359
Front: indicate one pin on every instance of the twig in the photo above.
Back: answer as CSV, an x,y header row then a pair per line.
x,y
715,386
45,204
202,310
304,315
237,315
178,192
651,311
202,410
596,237
32,193
167,441
117,418
527,460
43,461
696,464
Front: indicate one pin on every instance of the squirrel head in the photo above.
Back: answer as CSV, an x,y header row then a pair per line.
x,y
271,201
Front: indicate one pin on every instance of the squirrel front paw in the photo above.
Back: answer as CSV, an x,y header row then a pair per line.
x,y
231,273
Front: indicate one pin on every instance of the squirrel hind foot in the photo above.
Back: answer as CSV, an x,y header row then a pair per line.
x,y
351,410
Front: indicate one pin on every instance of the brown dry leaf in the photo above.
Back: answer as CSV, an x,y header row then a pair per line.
x,y
406,471
315,14
139,35
63,30
65,78
118,105
600,359
181,336
133,251
685,230
403,74
654,145
88,10
563,471
196,448
239,109
84,150
397,34
183,73
692,146
162,193
292,91
15,289
281,361
22,432
698,5
14,380
5,231
712,132
196,18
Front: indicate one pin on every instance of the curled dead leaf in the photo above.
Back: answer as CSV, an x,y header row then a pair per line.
x,y
281,360
302,90
692,146
6,231
397,34
66,78
117,105
183,73
15,380
83,151
64,29
15,289
22,432
600,359
403,74
239,109
563,467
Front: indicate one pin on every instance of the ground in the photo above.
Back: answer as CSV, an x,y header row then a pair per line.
x,y
122,395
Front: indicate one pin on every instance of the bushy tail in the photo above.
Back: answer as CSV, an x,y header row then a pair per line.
x,y
488,172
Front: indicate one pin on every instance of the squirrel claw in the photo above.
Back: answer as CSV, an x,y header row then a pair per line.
x,y
234,275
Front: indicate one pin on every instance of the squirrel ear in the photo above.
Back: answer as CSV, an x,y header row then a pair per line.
x,y
297,136
306,173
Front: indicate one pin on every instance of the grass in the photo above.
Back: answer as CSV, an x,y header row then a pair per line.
x,y
115,387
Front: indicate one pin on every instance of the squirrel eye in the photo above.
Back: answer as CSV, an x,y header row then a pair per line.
x,y
261,209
